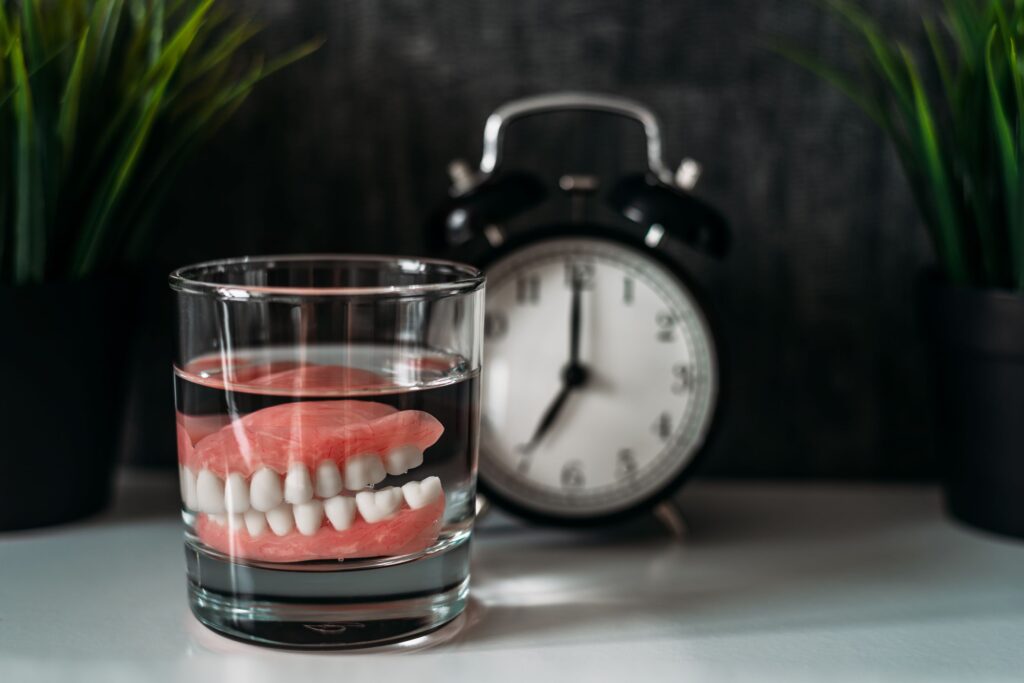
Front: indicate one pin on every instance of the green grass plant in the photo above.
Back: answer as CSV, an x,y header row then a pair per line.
x,y
956,120
101,103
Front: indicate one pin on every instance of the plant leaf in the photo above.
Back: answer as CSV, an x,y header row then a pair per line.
x,y
833,76
31,34
98,222
28,231
886,63
68,118
106,16
1008,161
941,63
950,245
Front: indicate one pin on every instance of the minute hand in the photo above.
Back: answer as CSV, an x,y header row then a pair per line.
x,y
574,322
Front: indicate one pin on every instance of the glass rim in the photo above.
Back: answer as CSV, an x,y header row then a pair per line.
x,y
186,280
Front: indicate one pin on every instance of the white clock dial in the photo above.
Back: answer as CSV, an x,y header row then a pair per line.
x,y
645,406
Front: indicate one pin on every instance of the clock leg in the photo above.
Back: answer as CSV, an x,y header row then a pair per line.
x,y
671,517
483,506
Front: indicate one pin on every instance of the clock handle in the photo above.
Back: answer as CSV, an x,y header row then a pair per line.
x,y
494,130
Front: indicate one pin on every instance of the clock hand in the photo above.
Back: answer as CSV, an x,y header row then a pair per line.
x,y
573,376
549,417
574,321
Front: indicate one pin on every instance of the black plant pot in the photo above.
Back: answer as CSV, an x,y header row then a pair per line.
x,y
60,399
977,342
148,439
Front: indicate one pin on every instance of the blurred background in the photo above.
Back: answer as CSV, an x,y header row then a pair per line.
x,y
348,150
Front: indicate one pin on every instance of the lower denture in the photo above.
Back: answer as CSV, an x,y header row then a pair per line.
x,y
404,532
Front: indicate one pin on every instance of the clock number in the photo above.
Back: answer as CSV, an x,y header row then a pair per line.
x,y
663,426
666,324
683,378
583,273
572,475
625,464
528,289
495,325
627,291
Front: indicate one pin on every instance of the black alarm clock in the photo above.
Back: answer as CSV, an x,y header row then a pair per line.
x,y
602,375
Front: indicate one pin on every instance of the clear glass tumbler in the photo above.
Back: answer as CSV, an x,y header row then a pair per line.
x,y
327,416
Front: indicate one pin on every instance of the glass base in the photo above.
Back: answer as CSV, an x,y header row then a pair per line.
x,y
317,606
327,626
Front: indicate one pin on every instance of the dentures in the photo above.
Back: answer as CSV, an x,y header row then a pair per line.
x,y
294,482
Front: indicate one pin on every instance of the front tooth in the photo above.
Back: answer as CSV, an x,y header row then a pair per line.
x,y
341,510
377,505
188,481
309,516
209,492
236,493
362,471
280,519
255,522
265,490
402,459
328,479
420,494
233,522
298,487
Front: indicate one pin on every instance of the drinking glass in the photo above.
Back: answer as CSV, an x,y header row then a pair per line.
x,y
327,415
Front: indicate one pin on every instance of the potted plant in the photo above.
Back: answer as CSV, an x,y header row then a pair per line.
x,y
101,102
961,145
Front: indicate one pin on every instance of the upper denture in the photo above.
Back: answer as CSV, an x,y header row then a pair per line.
x,y
309,433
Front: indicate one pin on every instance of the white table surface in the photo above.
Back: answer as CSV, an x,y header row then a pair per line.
x,y
776,582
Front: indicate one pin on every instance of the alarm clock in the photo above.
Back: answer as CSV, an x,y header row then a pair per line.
x,y
602,377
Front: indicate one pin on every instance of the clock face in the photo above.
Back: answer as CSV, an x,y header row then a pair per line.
x,y
599,429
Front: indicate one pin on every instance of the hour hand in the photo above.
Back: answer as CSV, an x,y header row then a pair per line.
x,y
548,418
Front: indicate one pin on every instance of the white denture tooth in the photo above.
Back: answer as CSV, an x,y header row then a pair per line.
x,y
265,490
209,493
363,470
182,487
420,494
236,493
281,519
402,459
298,487
235,521
340,510
309,516
188,481
328,479
255,522
375,506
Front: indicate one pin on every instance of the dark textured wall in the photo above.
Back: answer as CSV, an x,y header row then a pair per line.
x,y
347,151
